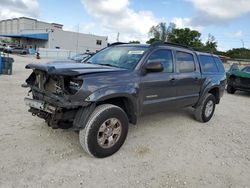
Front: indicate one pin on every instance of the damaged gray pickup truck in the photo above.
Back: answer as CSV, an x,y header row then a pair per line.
x,y
100,97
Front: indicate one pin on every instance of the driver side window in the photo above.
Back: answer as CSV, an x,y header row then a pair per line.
x,y
163,56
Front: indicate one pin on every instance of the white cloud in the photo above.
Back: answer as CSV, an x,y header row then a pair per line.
x,y
218,12
185,22
223,9
116,16
18,8
214,12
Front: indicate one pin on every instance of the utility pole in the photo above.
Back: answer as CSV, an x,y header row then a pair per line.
x,y
118,36
77,40
243,44
50,32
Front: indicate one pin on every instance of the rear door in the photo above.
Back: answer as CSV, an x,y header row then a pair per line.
x,y
188,83
158,88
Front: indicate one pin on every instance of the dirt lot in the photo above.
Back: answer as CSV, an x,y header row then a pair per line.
x,y
167,149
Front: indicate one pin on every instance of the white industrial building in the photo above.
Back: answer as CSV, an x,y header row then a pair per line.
x,y
32,33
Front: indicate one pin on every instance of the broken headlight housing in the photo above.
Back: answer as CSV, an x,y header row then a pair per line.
x,y
72,85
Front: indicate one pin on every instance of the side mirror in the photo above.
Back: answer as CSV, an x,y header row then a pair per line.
x,y
154,67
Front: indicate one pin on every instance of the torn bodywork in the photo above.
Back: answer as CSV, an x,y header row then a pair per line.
x,y
64,93
51,98
239,79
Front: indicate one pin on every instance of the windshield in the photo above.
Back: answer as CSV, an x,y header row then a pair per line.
x,y
234,67
125,57
246,69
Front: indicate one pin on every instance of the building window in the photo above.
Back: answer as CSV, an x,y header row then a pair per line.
x,y
99,42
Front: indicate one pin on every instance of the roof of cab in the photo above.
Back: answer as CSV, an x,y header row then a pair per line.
x,y
132,45
205,53
173,45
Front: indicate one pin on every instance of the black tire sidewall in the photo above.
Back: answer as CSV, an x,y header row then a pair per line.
x,y
230,89
204,118
94,148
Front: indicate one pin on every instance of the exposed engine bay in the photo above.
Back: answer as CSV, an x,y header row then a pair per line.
x,y
49,98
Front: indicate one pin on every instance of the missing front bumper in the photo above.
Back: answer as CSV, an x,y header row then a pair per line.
x,y
40,105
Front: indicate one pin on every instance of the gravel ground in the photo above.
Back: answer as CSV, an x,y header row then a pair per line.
x,y
167,149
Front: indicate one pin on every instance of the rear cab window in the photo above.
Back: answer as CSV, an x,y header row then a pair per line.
x,y
211,64
219,64
185,62
208,64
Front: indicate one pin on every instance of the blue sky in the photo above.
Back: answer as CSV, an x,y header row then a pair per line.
x,y
227,20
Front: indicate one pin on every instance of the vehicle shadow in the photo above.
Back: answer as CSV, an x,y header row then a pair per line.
x,y
168,119
242,93
169,115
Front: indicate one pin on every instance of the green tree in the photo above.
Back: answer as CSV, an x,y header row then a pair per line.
x,y
185,36
211,44
6,41
152,40
134,42
242,53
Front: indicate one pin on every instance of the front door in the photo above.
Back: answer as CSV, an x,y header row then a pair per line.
x,y
158,88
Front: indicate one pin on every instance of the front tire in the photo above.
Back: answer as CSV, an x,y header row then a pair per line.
x,y
205,111
105,131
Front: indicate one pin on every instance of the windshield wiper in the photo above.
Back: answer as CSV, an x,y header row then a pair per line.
x,y
88,62
107,64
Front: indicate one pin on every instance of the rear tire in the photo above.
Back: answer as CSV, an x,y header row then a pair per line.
x,y
105,131
205,111
230,89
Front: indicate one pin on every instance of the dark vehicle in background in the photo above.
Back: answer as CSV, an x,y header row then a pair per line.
x,y
81,57
119,84
15,50
238,79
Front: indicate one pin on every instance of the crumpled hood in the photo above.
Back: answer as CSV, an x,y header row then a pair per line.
x,y
70,68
